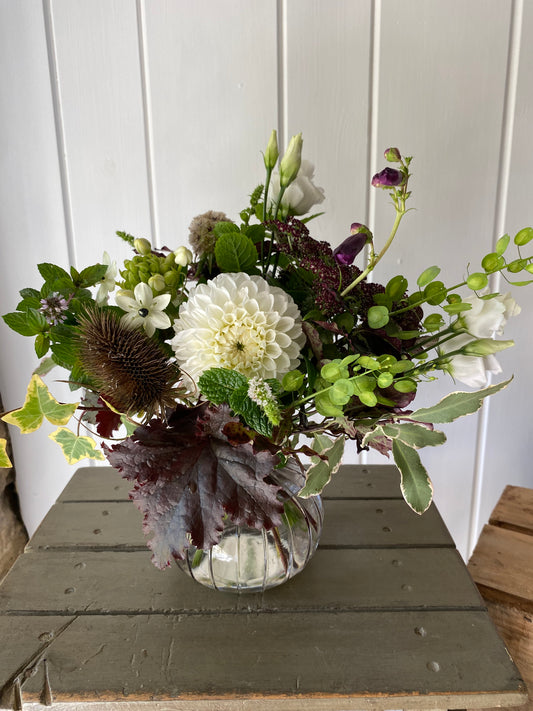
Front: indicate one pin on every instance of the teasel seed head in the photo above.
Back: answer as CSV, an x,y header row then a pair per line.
x,y
129,369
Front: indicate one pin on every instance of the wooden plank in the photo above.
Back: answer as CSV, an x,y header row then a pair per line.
x,y
515,627
514,510
334,580
311,656
117,525
502,566
351,481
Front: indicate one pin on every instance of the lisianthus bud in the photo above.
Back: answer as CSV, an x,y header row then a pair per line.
x,y
183,256
157,282
272,152
486,346
142,246
388,178
348,250
291,161
393,155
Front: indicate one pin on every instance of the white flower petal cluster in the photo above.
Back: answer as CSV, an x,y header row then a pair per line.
x,y
485,319
108,281
302,193
239,322
143,308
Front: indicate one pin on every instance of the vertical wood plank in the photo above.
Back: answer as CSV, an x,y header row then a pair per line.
x,y
32,230
508,457
212,73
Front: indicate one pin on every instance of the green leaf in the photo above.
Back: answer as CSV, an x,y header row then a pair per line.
x,y
76,448
235,252
396,287
457,307
217,384
414,435
36,320
435,293
253,414
427,276
222,228
524,236
378,316
5,462
477,281
502,244
45,366
39,403
491,262
321,471
456,405
415,483
92,275
51,273
405,386
433,322
20,323
42,345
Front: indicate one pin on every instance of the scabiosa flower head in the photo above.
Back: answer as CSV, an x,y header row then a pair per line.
x,y
239,322
201,235
127,367
388,178
143,309
54,308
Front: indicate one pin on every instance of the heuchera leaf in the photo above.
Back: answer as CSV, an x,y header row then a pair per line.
x,y
75,448
187,477
5,462
39,403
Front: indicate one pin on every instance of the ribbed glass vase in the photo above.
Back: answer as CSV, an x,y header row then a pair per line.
x,y
253,560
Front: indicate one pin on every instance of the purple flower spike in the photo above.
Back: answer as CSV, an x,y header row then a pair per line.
x,y
348,250
388,178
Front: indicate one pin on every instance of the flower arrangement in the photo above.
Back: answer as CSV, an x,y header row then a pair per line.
x,y
257,346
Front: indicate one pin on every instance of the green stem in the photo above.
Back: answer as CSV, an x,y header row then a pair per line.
x,y
400,212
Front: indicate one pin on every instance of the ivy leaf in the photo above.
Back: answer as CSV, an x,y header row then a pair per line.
x,y
76,448
187,477
39,403
321,471
456,405
217,384
5,462
235,252
415,483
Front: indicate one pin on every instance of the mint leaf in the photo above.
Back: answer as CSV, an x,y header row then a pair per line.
x,y
253,414
91,275
51,273
20,323
235,252
217,384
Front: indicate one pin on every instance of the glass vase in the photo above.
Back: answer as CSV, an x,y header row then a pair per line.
x,y
254,560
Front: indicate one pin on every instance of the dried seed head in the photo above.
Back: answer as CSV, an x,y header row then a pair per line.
x,y
129,369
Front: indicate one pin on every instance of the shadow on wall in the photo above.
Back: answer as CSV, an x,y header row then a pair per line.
x,y
13,535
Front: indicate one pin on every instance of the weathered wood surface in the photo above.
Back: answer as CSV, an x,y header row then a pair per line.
x,y
385,615
514,510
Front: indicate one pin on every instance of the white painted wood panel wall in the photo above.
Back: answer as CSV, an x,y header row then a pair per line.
x,y
138,115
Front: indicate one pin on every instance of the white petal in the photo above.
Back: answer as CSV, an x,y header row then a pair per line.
x,y
143,294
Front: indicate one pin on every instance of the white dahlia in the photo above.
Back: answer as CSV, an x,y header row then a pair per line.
x,y
240,322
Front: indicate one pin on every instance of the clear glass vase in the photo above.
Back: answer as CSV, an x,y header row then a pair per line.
x,y
253,560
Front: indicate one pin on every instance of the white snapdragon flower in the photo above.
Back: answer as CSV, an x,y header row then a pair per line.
x,y
107,283
239,322
486,318
143,308
301,194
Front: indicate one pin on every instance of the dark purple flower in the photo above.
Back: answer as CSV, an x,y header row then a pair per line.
x,y
348,250
387,178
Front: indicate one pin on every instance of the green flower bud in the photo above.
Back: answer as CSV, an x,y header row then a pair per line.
x,y
142,245
157,282
291,161
272,152
393,155
171,278
183,256
486,346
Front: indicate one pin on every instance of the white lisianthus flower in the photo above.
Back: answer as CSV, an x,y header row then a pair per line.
x,y
301,194
107,283
486,318
143,308
239,322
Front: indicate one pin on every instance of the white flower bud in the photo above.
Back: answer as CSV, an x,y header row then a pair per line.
x,y
183,256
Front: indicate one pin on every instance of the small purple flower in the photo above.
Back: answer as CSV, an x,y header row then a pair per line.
x,y
348,250
393,155
388,178
53,308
